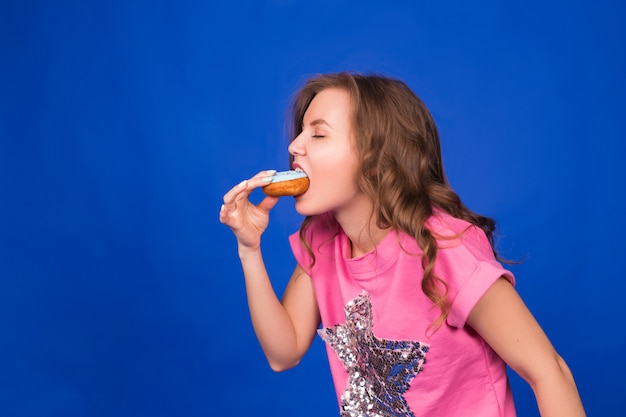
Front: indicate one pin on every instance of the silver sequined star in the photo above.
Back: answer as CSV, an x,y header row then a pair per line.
x,y
380,371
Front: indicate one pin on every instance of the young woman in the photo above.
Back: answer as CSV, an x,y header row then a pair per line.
x,y
419,317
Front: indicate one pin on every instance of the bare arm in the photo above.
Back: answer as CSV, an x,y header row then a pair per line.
x,y
284,330
505,323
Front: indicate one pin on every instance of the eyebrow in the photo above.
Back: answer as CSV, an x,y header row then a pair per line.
x,y
317,122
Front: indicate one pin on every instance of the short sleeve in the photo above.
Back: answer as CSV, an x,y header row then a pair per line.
x,y
321,229
303,258
474,288
468,266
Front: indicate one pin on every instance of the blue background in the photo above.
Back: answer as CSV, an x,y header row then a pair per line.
x,y
124,122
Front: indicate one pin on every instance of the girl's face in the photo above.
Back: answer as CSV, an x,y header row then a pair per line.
x,y
325,151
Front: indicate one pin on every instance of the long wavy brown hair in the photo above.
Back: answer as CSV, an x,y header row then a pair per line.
x,y
400,169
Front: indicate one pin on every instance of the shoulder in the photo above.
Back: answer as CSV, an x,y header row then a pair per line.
x,y
451,232
466,262
318,229
317,232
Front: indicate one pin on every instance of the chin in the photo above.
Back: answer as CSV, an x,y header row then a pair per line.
x,y
304,210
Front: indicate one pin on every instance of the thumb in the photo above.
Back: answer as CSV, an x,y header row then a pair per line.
x,y
267,203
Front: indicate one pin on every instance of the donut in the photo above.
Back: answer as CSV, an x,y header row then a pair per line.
x,y
287,183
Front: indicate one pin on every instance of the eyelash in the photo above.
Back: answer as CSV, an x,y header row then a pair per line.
x,y
318,136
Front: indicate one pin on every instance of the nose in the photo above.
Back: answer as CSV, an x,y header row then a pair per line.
x,y
296,147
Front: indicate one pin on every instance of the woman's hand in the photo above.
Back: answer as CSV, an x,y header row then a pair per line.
x,y
246,220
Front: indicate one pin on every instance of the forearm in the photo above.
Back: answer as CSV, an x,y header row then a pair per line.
x,y
271,322
558,395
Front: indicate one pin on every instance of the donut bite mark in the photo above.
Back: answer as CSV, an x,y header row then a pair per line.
x,y
287,183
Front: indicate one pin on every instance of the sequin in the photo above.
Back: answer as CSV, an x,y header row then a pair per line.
x,y
379,371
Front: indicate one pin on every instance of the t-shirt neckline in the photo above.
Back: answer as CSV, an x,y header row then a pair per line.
x,y
374,262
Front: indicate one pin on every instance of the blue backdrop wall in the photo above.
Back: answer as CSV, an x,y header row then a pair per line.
x,y
123,123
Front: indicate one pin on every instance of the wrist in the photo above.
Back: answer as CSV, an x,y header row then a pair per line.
x,y
246,252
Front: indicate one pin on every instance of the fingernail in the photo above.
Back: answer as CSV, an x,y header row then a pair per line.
x,y
242,183
269,172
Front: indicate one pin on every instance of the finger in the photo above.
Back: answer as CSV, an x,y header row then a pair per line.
x,y
264,174
224,215
245,187
267,203
244,191
231,217
230,196
259,180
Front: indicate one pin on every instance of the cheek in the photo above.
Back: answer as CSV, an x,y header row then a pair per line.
x,y
335,176
333,171
334,186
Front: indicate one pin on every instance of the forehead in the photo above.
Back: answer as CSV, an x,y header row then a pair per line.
x,y
331,104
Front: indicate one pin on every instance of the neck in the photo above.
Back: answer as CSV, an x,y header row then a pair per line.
x,y
366,240
361,229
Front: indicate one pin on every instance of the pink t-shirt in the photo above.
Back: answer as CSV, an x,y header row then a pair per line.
x,y
374,312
